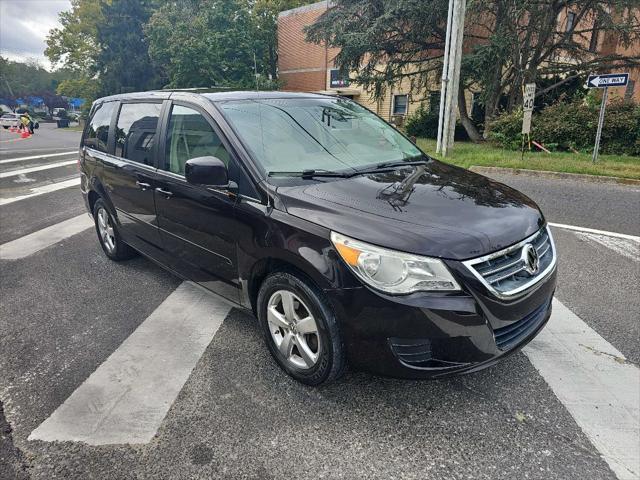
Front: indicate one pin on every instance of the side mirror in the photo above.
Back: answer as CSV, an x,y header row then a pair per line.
x,y
207,171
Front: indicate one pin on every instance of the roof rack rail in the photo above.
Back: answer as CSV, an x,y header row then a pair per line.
x,y
197,89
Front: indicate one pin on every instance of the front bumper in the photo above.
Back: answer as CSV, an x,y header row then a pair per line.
x,y
433,335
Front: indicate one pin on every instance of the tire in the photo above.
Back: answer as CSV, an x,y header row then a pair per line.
x,y
5,127
111,242
315,358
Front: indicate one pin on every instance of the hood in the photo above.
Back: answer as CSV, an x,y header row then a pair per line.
x,y
434,209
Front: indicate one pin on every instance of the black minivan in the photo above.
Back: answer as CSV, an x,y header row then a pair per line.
x,y
349,243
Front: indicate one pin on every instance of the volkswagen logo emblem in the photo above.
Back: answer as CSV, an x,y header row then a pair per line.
x,y
530,259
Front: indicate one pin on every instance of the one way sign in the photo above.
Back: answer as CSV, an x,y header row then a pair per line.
x,y
609,80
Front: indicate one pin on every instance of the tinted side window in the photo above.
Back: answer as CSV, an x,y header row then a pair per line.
x,y
98,130
189,136
136,131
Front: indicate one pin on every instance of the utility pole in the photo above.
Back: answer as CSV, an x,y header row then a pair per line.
x,y
451,76
445,78
7,84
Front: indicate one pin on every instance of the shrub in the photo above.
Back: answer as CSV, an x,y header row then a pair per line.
x,y
424,123
573,125
506,130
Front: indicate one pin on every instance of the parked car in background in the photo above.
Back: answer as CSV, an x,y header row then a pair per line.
x,y
8,120
346,240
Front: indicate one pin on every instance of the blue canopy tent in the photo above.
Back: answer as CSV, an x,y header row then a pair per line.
x,y
35,101
76,102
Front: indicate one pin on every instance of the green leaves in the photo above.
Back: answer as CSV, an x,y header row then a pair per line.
x,y
117,46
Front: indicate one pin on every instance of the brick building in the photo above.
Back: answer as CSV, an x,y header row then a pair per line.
x,y
309,67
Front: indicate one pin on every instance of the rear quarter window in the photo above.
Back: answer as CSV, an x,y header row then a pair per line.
x,y
97,133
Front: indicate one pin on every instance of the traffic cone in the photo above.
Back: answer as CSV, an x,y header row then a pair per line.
x,y
13,129
25,134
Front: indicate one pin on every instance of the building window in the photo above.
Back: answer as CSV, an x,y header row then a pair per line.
x,y
628,94
571,21
336,80
400,104
434,102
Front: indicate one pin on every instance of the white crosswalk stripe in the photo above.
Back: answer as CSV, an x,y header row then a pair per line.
x,y
38,168
128,396
41,190
595,383
34,242
35,157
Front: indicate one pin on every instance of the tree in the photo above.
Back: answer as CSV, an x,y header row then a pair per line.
x,y
82,87
123,63
264,20
75,48
19,79
75,44
523,42
203,43
507,43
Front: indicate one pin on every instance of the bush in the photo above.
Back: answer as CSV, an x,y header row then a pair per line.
x,y
573,125
424,123
506,130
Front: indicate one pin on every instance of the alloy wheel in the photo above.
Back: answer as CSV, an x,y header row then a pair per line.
x,y
293,329
105,229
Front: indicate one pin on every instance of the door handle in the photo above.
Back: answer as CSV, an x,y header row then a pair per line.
x,y
166,193
143,186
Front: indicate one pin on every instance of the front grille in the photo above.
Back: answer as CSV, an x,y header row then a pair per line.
x,y
504,272
509,336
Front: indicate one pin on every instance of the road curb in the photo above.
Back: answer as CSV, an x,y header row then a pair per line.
x,y
562,175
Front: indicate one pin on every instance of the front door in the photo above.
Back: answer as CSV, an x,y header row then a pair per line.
x,y
197,224
129,175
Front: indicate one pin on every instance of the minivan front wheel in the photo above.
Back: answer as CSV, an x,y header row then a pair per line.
x,y
300,329
108,236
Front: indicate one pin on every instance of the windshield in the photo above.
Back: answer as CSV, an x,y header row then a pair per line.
x,y
322,134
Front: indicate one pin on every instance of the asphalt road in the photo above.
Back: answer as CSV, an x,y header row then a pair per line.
x,y
66,309
46,139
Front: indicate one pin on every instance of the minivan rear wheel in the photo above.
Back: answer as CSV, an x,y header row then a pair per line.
x,y
108,235
300,329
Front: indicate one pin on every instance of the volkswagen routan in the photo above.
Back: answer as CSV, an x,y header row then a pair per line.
x,y
348,243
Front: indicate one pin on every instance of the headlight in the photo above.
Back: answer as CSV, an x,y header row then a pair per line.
x,y
391,271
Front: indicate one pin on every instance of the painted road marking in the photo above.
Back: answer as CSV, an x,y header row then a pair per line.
x,y
126,399
34,157
596,384
14,173
597,232
626,248
34,192
19,139
34,242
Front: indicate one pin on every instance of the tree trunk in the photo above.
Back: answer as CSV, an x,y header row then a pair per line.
x,y
466,122
491,109
273,63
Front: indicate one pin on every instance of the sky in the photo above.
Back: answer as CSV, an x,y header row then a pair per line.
x,y
24,25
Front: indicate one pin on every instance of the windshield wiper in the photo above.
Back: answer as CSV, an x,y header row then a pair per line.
x,y
310,174
384,166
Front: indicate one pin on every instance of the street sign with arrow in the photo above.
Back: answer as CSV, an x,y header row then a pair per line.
x,y
609,80
605,81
